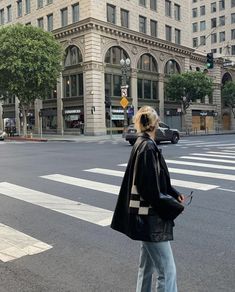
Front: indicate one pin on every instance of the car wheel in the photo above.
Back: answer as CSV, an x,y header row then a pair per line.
x,y
175,139
132,143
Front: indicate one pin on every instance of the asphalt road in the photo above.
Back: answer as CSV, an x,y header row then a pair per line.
x,y
40,181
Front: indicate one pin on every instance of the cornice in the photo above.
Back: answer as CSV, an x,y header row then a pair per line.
x,y
130,35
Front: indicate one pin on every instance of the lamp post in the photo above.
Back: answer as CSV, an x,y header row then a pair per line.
x,y
125,67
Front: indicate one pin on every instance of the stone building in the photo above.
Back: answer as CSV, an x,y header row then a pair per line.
x,y
213,30
96,35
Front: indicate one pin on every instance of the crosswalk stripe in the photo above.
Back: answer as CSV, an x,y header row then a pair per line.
x,y
203,144
203,174
208,159
230,151
231,147
84,183
205,165
213,155
198,173
71,208
220,154
175,182
15,244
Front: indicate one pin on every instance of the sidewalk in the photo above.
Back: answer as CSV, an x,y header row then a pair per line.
x,y
116,137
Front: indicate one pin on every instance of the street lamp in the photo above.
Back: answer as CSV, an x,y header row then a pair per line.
x,y
125,67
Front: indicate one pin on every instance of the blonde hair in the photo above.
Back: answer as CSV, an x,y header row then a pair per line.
x,y
146,119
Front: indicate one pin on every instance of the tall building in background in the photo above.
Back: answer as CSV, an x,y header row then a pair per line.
x,y
96,35
213,31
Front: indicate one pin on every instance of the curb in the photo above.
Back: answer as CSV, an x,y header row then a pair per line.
x,y
25,139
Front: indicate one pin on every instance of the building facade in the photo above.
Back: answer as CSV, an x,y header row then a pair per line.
x,y
213,30
96,35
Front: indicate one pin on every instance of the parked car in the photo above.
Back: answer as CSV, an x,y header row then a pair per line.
x,y
164,133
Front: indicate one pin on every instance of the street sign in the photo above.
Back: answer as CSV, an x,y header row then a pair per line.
x,y
124,92
228,64
124,102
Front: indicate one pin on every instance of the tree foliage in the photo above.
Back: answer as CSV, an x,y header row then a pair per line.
x,y
188,87
30,63
228,95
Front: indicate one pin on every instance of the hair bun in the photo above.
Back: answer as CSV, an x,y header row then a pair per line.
x,y
144,120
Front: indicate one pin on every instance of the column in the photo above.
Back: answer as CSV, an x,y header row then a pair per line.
x,y
161,96
60,121
134,91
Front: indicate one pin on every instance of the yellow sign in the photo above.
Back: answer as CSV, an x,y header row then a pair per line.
x,y
124,102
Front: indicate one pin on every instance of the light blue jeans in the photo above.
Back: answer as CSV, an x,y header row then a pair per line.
x,y
156,256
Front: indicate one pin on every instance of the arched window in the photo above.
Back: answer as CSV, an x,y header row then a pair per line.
x,y
147,83
73,56
147,63
114,55
172,67
226,77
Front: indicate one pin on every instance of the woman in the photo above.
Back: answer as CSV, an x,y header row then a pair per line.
x,y
136,213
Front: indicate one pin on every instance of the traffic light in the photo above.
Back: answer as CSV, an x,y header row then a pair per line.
x,y
209,61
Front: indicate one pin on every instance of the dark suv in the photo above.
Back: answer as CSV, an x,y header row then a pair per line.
x,y
164,133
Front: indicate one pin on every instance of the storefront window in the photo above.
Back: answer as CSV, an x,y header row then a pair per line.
x,y
147,89
73,85
117,85
114,55
147,63
73,119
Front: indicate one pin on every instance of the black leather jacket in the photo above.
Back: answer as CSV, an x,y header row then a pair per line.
x,y
149,183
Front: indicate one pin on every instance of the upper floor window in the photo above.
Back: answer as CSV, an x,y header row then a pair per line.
x,y
40,22
27,6
168,33
222,36
19,8
177,36
214,38
142,2
177,11
202,40
49,1
202,25
153,28
195,42
75,12
114,56
142,24
124,18
195,27
64,17
232,3
221,5
9,13
233,34
222,20
147,63
233,50
213,7
172,67
213,22
40,3
202,10
153,4
194,12
2,17
111,13
73,56
50,22
233,18
168,8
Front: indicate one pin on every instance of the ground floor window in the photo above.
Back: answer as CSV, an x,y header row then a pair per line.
x,y
74,119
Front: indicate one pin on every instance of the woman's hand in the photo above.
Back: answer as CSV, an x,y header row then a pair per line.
x,y
181,198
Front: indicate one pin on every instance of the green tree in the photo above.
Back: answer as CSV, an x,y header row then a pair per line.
x,y
188,87
228,95
30,63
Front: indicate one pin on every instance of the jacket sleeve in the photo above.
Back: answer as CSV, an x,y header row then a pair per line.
x,y
146,178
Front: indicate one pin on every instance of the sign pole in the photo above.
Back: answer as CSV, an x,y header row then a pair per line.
x,y
110,110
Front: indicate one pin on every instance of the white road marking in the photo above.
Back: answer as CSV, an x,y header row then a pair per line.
x,y
226,190
203,173
205,165
231,151
208,159
231,147
15,244
84,183
222,153
68,207
213,155
175,182
203,144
